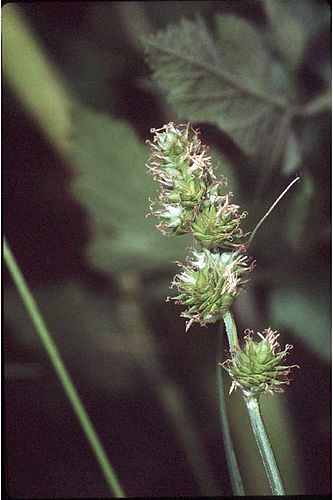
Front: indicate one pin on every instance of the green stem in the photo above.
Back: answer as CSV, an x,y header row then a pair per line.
x,y
264,445
258,427
62,373
235,477
231,330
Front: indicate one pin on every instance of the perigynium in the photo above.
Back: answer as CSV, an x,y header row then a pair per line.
x,y
209,283
258,367
217,225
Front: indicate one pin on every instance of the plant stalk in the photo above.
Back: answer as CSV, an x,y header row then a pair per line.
x,y
258,427
235,476
264,445
62,373
231,330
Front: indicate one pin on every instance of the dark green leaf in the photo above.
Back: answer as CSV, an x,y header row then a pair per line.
x,y
225,168
319,104
300,214
113,184
305,311
227,82
293,23
292,154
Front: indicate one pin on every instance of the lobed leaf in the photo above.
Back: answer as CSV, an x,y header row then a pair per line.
x,y
227,81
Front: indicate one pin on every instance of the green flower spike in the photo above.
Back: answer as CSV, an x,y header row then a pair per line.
x,y
209,283
258,368
180,164
217,225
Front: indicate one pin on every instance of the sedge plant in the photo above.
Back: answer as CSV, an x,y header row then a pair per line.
x,y
191,199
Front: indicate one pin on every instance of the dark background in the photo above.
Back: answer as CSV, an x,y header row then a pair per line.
x,y
49,230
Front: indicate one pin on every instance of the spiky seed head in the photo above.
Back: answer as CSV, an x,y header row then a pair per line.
x,y
174,219
180,164
209,283
187,191
259,367
177,153
218,225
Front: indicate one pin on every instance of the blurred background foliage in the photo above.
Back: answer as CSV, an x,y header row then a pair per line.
x,y
79,99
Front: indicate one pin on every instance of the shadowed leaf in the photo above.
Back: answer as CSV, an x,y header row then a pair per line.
x,y
113,184
293,24
304,311
301,213
227,81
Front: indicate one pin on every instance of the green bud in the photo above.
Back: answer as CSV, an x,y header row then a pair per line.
x,y
179,162
209,284
177,153
172,141
259,367
217,225
175,219
190,191
216,191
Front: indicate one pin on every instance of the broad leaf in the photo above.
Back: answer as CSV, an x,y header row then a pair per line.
x,y
302,210
113,184
243,53
292,154
320,104
224,167
305,311
227,81
293,23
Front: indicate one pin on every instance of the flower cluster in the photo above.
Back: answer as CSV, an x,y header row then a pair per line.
x,y
192,200
180,164
259,367
209,283
217,225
